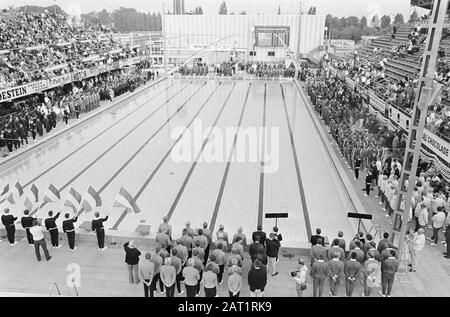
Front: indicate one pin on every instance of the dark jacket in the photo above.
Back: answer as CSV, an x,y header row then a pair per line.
x,y
314,239
8,220
257,278
68,224
97,224
50,223
27,221
253,250
131,255
262,236
272,247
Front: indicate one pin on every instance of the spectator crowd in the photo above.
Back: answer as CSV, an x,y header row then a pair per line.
x,y
38,115
36,46
368,146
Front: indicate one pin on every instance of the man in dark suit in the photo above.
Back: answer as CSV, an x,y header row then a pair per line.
x,y
27,223
8,221
319,271
50,225
317,236
388,269
262,235
69,229
97,227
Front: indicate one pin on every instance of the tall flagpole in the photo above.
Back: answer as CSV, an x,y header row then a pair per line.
x,y
63,201
42,201
82,199
112,205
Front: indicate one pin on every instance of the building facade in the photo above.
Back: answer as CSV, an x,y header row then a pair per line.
x,y
216,38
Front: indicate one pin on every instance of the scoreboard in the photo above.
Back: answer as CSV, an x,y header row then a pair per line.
x,y
269,36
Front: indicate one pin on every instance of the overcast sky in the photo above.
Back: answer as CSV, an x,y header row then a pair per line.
x,y
335,7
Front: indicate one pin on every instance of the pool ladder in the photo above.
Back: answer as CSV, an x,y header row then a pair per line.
x,y
55,285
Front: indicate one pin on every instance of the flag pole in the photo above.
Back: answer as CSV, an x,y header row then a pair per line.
x,y
112,205
64,201
42,201
82,199
6,197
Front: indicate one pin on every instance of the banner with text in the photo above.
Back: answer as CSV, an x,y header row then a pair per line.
x,y
9,94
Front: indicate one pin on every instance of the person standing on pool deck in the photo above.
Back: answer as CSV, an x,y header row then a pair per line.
x,y
208,234
166,227
69,229
50,225
37,234
99,229
27,223
8,221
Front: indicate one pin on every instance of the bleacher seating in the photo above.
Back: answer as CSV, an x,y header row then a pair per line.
x,y
35,46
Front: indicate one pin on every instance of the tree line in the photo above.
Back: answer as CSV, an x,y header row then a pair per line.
x,y
126,20
353,28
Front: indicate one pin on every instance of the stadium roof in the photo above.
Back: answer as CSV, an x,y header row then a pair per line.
x,y
426,4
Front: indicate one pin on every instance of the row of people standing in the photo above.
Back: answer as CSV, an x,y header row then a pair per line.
x,y
375,265
194,258
32,226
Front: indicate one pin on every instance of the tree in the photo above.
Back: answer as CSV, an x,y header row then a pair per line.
x,y
223,9
352,21
414,16
198,11
399,19
104,17
243,13
312,11
385,21
363,22
279,10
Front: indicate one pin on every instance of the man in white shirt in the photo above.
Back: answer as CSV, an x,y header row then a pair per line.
x,y
438,221
416,243
423,216
39,240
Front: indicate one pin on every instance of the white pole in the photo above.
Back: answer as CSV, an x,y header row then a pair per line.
x,y
164,37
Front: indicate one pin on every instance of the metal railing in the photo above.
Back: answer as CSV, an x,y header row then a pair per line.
x,y
54,284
